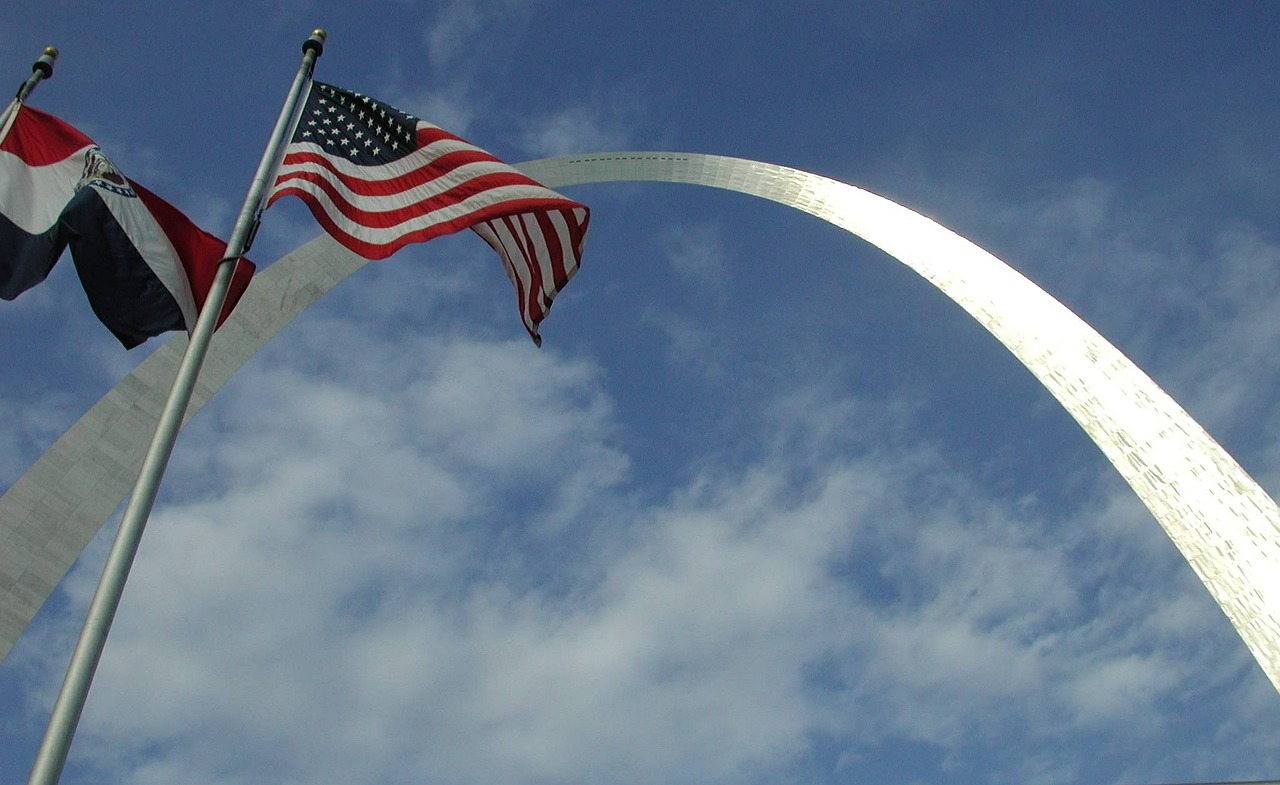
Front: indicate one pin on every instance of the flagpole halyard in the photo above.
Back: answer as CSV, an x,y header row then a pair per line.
x,y
52,754
41,69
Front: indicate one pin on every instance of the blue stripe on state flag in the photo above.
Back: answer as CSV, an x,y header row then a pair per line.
x,y
123,290
41,160
27,258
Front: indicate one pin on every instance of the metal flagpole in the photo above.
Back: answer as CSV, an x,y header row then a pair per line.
x,y
52,754
42,68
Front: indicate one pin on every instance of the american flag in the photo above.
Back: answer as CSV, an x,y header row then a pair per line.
x,y
377,178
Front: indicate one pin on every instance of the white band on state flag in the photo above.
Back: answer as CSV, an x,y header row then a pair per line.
x,y
153,245
35,195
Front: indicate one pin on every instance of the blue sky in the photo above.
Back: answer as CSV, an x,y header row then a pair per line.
x,y
765,507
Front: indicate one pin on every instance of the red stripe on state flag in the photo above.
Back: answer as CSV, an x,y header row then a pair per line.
x,y
145,267
198,252
40,139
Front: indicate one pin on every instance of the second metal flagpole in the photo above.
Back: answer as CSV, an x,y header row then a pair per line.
x,y
52,754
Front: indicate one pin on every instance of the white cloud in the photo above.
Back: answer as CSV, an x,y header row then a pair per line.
x,y
580,128
448,107
366,589
354,577
391,557
466,29
1191,302
449,39
27,428
697,254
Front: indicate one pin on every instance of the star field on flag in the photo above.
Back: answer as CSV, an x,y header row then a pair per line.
x,y
377,178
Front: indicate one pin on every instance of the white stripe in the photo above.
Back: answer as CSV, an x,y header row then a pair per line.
x,y
153,244
401,166
33,196
486,232
512,256
579,217
542,257
512,260
388,235
422,192
569,253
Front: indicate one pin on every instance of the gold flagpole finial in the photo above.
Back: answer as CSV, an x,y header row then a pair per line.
x,y
315,42
42,68
44,64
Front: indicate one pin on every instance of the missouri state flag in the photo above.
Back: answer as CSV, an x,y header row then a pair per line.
x,y
145,267
377,179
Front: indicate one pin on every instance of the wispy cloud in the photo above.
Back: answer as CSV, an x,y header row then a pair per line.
x,y
782,542
347,552
451,36
696,253
575,129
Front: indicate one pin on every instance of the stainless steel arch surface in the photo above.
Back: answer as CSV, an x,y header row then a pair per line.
x,y
1222,522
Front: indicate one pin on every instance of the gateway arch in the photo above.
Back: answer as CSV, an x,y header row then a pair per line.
x,y
1222,522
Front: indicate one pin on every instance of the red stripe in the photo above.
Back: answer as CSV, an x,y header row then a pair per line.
x,y
538,305
551,238
429,170
382,250
198,250
392,218
530,305
495,242
354,205
528,295
509,226
40,139
426,134
515,233
577,227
